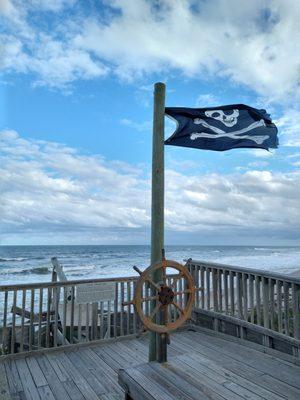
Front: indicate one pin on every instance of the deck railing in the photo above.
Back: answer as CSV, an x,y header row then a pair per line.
x,y
259,297
50,314
43,315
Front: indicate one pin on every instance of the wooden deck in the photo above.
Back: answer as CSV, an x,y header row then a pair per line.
x,y
217,367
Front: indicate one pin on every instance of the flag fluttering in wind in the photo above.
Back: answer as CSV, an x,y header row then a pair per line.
x,y
222,128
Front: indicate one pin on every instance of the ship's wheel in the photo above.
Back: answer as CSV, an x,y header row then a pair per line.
x,y
172,298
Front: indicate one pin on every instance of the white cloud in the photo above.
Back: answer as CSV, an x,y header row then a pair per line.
x,y
258,164
207,100
48,184
51,190
254,44
289,127
259,202
145,126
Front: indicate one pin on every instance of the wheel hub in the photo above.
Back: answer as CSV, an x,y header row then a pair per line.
x,y
166,295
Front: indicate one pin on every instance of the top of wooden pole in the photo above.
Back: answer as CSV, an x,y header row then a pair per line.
x,y
160,84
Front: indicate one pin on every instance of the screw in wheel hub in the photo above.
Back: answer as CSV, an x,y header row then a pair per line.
x,y
166,295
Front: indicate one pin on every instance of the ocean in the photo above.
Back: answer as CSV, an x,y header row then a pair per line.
x,y
25,264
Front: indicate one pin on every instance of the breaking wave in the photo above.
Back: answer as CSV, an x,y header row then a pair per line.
x,y
20,259
36,271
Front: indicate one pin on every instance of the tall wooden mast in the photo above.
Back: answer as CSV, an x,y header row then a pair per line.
x,y
157,345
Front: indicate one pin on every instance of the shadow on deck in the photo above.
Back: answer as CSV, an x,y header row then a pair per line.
x,y
217,366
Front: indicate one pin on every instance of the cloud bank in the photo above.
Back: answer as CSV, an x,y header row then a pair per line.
x,y
51,193
254,44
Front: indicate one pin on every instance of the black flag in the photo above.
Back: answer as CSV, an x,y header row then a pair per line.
x,y
222,128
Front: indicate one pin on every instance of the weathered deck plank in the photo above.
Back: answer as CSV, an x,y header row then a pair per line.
x,y
201,365
227,360
13,378
4,386
266,364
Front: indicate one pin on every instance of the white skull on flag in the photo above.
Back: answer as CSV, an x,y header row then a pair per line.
x,y
228,120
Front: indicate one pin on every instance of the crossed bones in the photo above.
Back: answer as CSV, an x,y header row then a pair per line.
x,y
232,135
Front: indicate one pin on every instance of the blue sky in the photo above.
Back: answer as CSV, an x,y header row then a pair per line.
x,y
76,120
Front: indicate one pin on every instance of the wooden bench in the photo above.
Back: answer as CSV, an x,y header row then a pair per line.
x,y
167,381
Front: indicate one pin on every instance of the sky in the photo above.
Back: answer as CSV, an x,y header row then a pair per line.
x,y
76,109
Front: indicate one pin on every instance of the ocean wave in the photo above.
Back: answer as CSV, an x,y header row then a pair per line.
x,y
36,271
263,249
80,268
19,259
39,270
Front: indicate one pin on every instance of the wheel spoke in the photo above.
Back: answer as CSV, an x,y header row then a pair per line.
x,y
154,311
164,274
149,298
148,279
178,307
187,291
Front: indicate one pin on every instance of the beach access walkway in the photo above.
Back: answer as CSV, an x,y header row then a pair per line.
x,y
202,365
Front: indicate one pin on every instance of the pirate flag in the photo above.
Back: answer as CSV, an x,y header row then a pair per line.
x,y
222,128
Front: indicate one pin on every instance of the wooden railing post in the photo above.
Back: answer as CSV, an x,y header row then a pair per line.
x,y
296,309
215,289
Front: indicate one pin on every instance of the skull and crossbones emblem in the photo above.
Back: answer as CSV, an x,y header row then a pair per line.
x,y
229,120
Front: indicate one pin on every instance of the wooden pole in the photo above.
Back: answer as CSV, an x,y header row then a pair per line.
x,y
157,206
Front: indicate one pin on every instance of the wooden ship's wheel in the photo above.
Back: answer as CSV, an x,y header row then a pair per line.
x,y
172,298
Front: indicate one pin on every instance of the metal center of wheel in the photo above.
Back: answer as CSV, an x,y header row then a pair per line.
x,y
166,295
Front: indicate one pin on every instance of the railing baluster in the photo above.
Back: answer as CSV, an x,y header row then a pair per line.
x,y
225,284
94,322
135,327
48,317
40,318
245,296
4,329
251,298
101,320
279,304
31,329
55,322
122,310
266,302
87,322
72,314
202,285
220,291
79,328
215,289
272,305
258,300
23,320
231,291
108,318
208,288
196,277
13,324
64,325
286,308
180,290
128,308
296,309
116,309
239,295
